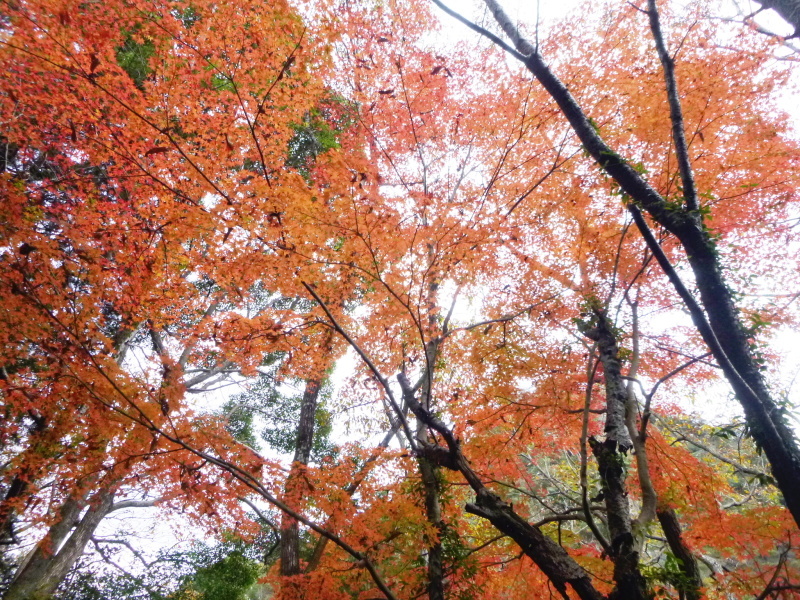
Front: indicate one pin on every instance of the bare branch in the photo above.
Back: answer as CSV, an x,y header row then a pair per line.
x,y
484,32
654,389
675,110
772,586
683,437
134,504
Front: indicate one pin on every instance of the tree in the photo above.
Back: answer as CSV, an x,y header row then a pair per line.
x,y
720,326
459,238
110,246
779,444
227,569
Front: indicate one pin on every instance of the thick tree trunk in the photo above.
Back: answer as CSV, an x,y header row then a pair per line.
x,y
560,568
552,559
611,456
48,564
789,10
433,511
290,532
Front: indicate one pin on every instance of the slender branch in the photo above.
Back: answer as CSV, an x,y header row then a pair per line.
x,y
446,323
503,319
249,480
260,514
98,540
187,351
615,273
252,125
698,316
352,487
675,110
556,164
649,396
134,504
771,586
378,375
107,559
486,544
221,369
682,437
484,32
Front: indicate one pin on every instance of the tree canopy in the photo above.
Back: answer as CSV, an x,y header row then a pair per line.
x,y
538,244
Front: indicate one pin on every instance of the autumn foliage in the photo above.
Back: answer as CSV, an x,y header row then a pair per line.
x,y
201,194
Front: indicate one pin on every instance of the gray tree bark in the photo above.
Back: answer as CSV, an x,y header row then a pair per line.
x,y
53,557
610,455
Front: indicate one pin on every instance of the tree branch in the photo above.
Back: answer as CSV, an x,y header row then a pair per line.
x,y
675,111
484,32
381,379
134,504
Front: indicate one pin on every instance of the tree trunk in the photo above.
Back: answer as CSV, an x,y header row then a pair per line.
x,y
290,532
48,564
610,455
433,512
789,10
692,583
558,566
551,558
428,470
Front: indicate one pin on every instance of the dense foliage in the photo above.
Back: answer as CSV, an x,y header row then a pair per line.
x,y
535,253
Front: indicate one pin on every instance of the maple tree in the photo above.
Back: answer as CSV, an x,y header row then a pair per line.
x,y
112,241
221,185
